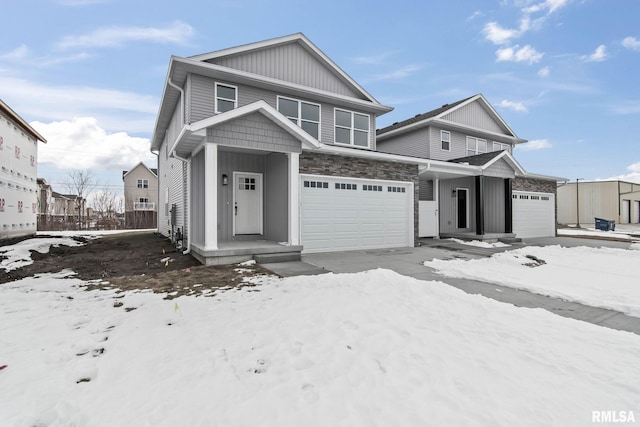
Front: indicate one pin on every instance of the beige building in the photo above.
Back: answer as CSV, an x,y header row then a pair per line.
x,y
18,174
141,196
581,202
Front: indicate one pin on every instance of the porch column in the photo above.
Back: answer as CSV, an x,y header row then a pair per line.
x,y
210,196
508,207
479,205
436,197
294,203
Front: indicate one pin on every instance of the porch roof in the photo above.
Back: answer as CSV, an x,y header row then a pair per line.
x,y
193,136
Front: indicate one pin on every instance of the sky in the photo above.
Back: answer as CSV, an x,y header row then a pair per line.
x,y
563,74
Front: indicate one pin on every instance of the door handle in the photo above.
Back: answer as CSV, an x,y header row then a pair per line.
x,y
236,209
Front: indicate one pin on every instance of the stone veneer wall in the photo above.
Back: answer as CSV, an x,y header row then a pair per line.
x,y
354,167
540,186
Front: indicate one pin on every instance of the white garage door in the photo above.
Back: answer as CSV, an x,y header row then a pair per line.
x,y
533,214
347,213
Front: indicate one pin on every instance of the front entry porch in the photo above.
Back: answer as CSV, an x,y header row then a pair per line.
x,y
263,251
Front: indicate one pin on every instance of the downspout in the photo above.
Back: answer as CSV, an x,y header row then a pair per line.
x,y
185,217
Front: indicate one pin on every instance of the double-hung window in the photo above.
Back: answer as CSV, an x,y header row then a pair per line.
x,y
351,128
445,140
476,146
302,113
226,97
143,183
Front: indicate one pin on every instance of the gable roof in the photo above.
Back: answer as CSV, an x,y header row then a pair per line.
x,y
437,116
180,68
192,135
485,160
152,170
4,108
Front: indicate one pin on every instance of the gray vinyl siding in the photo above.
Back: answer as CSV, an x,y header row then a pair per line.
x,y
414,144
458,145
500,169
290,63
174,129
170,175
197,198
494,205
229,162
276,212
254,131
474,115
202,105
426,189
447,205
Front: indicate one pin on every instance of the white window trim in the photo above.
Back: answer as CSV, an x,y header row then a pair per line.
x,y
235,101
501,145
299,118
442,132
351,129
140,183
476,151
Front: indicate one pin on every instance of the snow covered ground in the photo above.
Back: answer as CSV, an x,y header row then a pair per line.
x,y
366,349
623,232
599,277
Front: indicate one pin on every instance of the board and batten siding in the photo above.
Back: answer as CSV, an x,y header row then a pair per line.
x,y
448,208
202,102
500,169
291,63
474,115
276,192
494,206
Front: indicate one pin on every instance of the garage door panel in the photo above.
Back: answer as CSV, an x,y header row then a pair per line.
x,y
355,218
533,214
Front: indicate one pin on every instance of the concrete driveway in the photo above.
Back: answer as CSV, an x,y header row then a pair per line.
x,y
409,262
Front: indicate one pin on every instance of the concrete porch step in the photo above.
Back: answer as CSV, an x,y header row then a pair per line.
x,y
510,240
277,257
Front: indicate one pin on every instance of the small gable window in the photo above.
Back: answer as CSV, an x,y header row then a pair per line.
x,y
226,98
476,146
351,128
304,114
445,140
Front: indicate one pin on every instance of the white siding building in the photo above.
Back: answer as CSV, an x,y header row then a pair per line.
x,y
18,174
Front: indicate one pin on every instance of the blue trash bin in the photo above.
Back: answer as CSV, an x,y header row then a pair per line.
x,y
605,224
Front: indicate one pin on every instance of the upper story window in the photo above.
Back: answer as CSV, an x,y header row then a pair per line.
x,y
143,183
499,146
476,146
445,140
226,98
304,114
351,128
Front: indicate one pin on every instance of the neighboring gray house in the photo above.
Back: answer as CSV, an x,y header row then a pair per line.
x,y
488,193
613,200
271,148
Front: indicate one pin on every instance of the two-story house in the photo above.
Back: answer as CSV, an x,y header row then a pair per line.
x,y
270,148
480,190
140,196
18,174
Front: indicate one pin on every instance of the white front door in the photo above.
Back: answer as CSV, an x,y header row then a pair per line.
x,y
247,203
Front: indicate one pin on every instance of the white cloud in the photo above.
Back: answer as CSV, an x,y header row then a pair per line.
x,y
474,15
82,144
178,33
498,35
535,144
116,110
372,59
516,54
631,43
515,106
549,6
598,55
544,71
17,54
633,175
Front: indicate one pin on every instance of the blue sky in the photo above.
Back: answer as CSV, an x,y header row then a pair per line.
x,y
564,74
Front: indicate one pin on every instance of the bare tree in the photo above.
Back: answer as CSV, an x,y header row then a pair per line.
x,y
80,183
105,203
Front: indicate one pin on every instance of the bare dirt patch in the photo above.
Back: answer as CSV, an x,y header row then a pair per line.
x,y
136,261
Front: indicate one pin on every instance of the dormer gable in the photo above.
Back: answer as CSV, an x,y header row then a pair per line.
x,y
477,113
